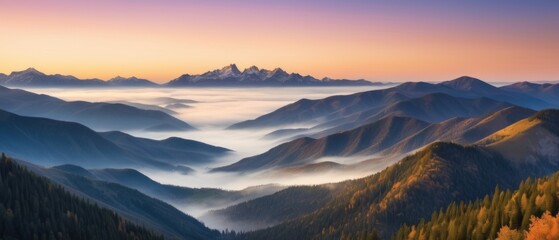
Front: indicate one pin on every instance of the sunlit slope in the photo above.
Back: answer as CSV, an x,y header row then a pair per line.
x,y
420,184
531,141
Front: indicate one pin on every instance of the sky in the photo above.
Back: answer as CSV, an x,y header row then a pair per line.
x,y
429,40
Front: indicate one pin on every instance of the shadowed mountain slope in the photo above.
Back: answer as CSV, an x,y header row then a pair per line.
x,y
131,204
420,184
547,91
182,197
34,207
401,119
433,108
50,142
461,130
529,143
172,150
331,108
362,140
99,116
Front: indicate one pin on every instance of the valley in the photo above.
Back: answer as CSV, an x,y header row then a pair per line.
x,y
355,157
279,120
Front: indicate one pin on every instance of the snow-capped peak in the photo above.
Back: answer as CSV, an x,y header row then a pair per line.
x,y
251,70
230,70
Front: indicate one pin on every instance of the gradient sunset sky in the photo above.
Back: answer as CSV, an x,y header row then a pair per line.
x,y
432,40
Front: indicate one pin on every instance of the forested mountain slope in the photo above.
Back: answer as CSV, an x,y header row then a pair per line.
x,y
33,207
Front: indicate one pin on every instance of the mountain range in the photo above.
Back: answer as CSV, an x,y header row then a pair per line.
x,y
392,135
99,116
365,104
416,186
228,76
460,138
253,76
39,208
129,203
51,142
190,200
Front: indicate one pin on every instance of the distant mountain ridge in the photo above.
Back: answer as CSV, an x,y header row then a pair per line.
x,y
51,142
440,173
99,115
227,76
546,91
391,135
335,107
253,76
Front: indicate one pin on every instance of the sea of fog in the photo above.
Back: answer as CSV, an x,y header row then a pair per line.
x,y
214,110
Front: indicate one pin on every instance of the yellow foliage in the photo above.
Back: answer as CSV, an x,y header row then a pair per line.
x,y
413,232
540,201
509,234
524,202
482,216
544,228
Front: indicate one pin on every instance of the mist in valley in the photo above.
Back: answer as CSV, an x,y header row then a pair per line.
x,y
211,111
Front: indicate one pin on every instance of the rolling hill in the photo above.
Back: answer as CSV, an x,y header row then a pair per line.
x,y
172,150
366,139
490,217
129,203
306,110
432,108
530,142
99,116
402,193
34,207
31,77
383,129
257,214
418,185
334,107
50,142
547,91
461,130
190,200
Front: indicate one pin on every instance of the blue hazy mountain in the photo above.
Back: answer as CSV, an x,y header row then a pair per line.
x,y
334,107
130,82
229,76
417,185
546,91
50,142
391,135
99,116
33,78
185,197
129,203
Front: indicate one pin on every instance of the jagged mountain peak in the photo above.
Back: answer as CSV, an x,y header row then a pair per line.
x,y
251,70
231,68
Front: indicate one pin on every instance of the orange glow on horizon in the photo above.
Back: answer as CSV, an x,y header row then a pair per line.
x,y
160,43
